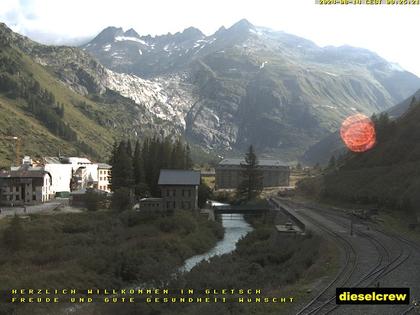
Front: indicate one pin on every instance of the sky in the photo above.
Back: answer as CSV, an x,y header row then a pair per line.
x,y
390,31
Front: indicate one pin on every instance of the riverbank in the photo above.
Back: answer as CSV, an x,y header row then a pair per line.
x,y
100,250
263,261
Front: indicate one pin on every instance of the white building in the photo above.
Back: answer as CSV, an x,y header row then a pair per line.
x,y
61,174
104,175
75,173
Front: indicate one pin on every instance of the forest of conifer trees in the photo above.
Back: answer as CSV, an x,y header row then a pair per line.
x,y
135,169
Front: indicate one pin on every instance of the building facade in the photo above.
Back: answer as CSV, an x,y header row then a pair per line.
x,y
151,204
229,173
179,189
104,175
25,185
76,173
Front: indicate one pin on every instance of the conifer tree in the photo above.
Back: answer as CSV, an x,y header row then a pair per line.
x,y
252,183
188,160
138,166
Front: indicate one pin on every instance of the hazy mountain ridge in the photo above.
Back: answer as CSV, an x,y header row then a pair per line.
x,y
240,85
311,89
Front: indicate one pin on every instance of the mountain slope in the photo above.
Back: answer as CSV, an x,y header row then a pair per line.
x,y
402,107
388,174
249,84
332,144
56,99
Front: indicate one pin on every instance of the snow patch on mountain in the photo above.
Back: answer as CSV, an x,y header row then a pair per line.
x,y
133,39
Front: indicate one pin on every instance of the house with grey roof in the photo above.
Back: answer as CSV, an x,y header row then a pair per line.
x,y
229,173
25,185
179,189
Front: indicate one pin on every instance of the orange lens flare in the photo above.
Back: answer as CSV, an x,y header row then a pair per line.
x,y
358,133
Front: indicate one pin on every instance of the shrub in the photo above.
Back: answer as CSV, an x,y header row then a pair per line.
x,y
121,199
13,235
93,200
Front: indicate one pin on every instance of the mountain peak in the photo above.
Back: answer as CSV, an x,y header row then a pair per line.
x,y
243,24
108,34
132,33
193,32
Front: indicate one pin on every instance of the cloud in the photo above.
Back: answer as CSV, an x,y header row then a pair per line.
x,y
379,28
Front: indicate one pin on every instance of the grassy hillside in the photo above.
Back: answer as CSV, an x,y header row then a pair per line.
x,y
387,175
49,116
27,87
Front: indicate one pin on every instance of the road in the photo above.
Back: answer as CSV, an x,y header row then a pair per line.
x,y
20,210
370,257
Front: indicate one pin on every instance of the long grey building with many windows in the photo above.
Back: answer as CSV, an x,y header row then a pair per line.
x,y
228,173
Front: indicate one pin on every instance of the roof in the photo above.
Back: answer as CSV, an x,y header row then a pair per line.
x,y
104,166
262,162
179,177
65,160
23,173
151,199
52,160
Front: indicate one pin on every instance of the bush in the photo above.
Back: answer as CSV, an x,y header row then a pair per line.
x,y
93,200
122,199
13,235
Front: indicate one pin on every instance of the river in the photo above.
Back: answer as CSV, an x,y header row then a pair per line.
x,y
235,228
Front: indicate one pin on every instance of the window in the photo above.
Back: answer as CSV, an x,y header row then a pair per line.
x,y
167,193
174,204
174,192
189,193
168,205
183,193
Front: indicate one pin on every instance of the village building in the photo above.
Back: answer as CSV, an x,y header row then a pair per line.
x,y
179,190
104,175
229,173
76,173
151,204
25,185
61,175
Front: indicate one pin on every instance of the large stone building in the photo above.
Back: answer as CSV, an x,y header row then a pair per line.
x,y
228,173
25,185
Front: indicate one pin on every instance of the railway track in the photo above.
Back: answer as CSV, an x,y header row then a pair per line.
x,y
324,301
397,262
